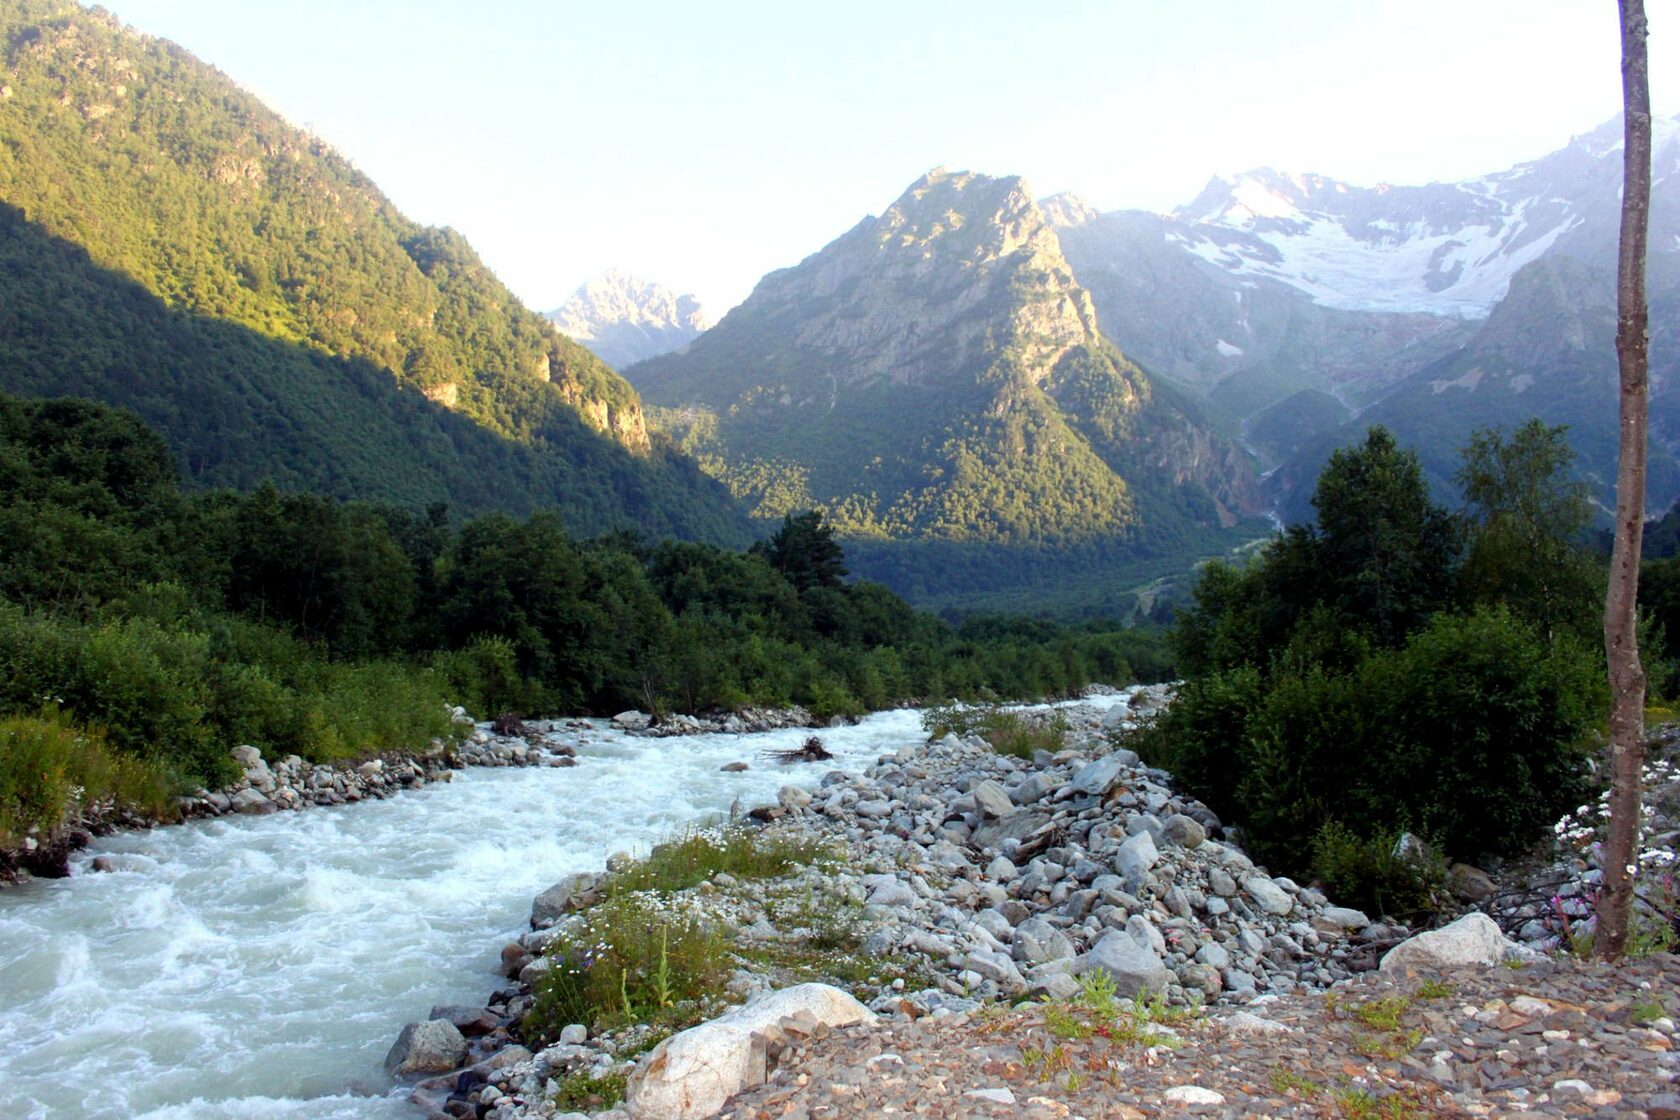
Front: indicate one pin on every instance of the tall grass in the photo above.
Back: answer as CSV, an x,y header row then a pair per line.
x,y
698,854
50,769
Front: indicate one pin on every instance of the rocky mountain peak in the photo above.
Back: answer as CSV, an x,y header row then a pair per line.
x,y
936,372
959,266
624,319
1067,211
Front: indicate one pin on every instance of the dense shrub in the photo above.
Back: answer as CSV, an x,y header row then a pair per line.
x,y
1356,679
1378,874
1466,733
50,769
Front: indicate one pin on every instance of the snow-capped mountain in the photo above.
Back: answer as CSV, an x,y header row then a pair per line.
x,y
1304,309
625,320
1442,249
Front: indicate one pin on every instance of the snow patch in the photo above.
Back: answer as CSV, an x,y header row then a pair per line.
x,y
1468,380
1228,350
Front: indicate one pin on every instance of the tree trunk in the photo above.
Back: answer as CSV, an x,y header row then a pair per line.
x,y
1621,642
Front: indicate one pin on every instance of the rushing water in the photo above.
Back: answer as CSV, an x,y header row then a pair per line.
x,y
261,967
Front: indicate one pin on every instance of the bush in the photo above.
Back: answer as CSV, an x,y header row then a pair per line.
x,y
1022,736
50,769
1373,875
1468,733
741,850
629,959
1199,738
1484,718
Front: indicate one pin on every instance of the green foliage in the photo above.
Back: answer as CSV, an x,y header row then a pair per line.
x,y
1386,553
1374,875
805,552
629,959
744,851
1022,736
50,769
306,626
581,1090
1527,546
1338,693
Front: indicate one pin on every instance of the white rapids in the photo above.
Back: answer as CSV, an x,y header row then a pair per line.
x,y
261,967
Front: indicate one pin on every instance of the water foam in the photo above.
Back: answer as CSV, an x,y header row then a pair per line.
x,y
259,968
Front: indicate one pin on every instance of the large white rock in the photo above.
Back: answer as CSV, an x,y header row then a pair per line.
x,y
1102,775
992,801
1472,940
1136,856
690,1075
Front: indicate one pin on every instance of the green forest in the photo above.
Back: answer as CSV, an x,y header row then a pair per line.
x,y
1398,667
145,630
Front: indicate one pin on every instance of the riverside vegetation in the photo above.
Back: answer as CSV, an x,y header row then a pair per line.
x,y
145,631
1395,668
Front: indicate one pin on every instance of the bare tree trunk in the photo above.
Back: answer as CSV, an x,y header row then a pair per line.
x,y
1621,641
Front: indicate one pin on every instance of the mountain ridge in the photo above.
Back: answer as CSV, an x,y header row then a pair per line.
x,y
236,277
936,373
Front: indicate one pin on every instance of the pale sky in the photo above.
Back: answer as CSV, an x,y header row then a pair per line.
x,y
704,144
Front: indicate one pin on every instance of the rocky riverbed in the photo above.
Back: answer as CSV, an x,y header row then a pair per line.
x,y
969,877
973,881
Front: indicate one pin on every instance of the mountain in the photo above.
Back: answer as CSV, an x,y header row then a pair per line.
x,y
170,244
1547,350
1441,249
1305,309
624,320
936,374
1244,342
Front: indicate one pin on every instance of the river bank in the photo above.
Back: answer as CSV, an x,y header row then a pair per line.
x,y
258,966
972,880
292,783
968,876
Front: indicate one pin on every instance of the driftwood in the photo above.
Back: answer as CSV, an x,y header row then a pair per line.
x,y
812,751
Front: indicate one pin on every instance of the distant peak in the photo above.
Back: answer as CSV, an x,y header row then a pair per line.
x,y
625,319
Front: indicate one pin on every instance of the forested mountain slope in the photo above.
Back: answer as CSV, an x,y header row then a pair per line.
x,y
936,376
172,245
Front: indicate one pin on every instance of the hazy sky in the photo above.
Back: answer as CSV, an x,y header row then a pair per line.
x,y
703,144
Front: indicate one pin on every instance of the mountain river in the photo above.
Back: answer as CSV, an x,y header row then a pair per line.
x,y
260,967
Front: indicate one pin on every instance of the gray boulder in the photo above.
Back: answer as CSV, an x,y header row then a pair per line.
x,y
889,891
1473,940
1137,971
1037,941
435,1046
1343,917
1184,831
1272,898
550,904
252,803
1136,856
992,802
1033,789
1097,778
